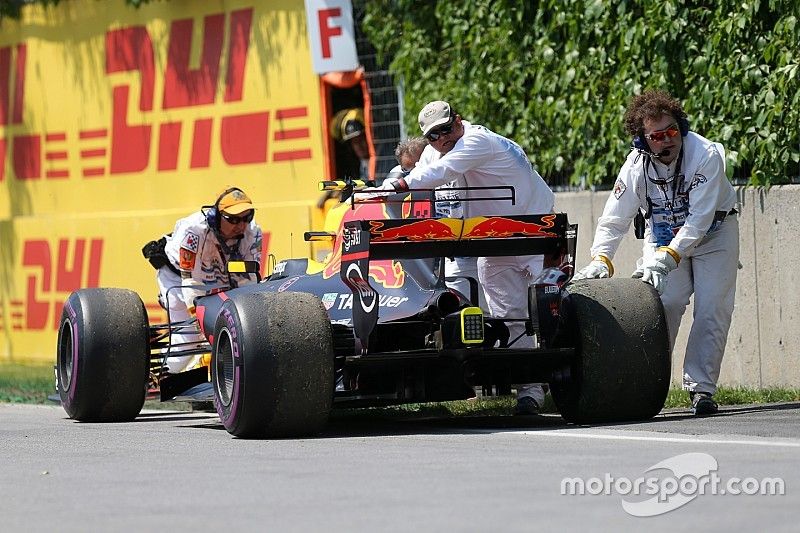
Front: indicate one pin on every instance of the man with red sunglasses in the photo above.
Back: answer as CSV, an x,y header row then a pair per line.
x,y
673,181
197,252
474,156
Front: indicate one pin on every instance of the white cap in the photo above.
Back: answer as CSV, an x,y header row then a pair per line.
x,y
434,114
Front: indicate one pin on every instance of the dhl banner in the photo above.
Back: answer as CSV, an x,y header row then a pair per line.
x,y
116,121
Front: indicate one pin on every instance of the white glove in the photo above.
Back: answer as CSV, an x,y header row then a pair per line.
x,y
655,269
600,267
389,184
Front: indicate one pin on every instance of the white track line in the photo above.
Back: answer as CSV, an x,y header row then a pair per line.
x,y
684,440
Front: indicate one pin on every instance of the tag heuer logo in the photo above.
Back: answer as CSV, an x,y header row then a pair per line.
x,y
328,299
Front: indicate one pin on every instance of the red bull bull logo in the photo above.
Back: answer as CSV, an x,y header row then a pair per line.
x,y
502,227
429,229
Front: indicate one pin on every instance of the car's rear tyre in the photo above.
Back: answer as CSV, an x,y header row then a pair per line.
x,y
272,365
103,355
621,369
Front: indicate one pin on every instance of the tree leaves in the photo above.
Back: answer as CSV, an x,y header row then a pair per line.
x,y
556,75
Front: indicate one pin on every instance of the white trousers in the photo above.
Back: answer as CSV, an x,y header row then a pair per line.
x,y
505,282
178,312
709,272
468,267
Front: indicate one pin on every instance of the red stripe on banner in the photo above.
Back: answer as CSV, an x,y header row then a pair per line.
x,y
99,152
201,144
52,156
291,155
169,139
57,174
19,85
291,112
50,137
300,133
93,134
239,40
92,172
5,78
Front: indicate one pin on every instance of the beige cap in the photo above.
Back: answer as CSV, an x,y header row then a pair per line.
x,y
434,114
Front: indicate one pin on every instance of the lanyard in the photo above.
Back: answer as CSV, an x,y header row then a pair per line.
x,y
662,183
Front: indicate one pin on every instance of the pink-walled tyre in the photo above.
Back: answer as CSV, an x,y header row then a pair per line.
x,y
272,365
102,359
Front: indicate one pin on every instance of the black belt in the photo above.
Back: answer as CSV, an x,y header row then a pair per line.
x,y
720,216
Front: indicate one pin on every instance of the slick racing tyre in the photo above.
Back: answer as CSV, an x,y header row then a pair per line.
x,y
621,368
103,355
272,365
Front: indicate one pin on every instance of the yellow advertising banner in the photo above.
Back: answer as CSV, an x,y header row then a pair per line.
x,y
117,121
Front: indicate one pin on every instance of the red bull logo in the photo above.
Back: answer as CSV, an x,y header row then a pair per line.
x,y
501,227
430,229
390,274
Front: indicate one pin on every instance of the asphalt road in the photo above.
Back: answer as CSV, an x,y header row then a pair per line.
x,y
182,472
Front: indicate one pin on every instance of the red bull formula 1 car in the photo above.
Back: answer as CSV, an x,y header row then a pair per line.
x,y
375,324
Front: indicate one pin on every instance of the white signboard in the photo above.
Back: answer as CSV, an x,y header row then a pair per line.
x,y
331,34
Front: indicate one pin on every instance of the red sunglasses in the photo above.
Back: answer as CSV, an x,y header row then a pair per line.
x,y
662,135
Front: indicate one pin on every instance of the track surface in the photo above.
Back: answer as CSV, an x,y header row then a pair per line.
x,y
182,471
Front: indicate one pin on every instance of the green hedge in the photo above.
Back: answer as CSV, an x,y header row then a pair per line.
x,y
556,75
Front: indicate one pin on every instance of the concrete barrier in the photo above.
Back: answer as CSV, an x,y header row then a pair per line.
x,y
764,341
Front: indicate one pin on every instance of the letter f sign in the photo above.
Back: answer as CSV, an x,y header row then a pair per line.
x,y
326,30
331,35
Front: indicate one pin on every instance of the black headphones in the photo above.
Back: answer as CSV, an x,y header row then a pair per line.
x,y
639,143
212,214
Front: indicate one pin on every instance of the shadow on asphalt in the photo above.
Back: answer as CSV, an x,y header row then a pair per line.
x,y
354,423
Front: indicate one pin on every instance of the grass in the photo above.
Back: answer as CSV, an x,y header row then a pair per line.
x,y
26,384
33,384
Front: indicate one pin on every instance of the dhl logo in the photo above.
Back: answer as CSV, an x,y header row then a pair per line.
x,y
122,146
54,271
450,229
51,277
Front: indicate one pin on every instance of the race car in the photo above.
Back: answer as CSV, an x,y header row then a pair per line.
x,y
375,324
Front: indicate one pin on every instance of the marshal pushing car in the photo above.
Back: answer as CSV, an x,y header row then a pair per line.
x,y
375,324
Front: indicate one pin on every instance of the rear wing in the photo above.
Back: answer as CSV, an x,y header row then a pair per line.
x,y
550,235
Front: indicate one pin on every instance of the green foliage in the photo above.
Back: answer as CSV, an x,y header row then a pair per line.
x,y
556,75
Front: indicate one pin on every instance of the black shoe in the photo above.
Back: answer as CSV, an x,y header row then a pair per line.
x,y
526,406
703,404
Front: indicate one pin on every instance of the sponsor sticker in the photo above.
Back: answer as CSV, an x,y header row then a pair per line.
x,y
328,299
619,189
190,241
187,259
385,300
352,237
697,180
